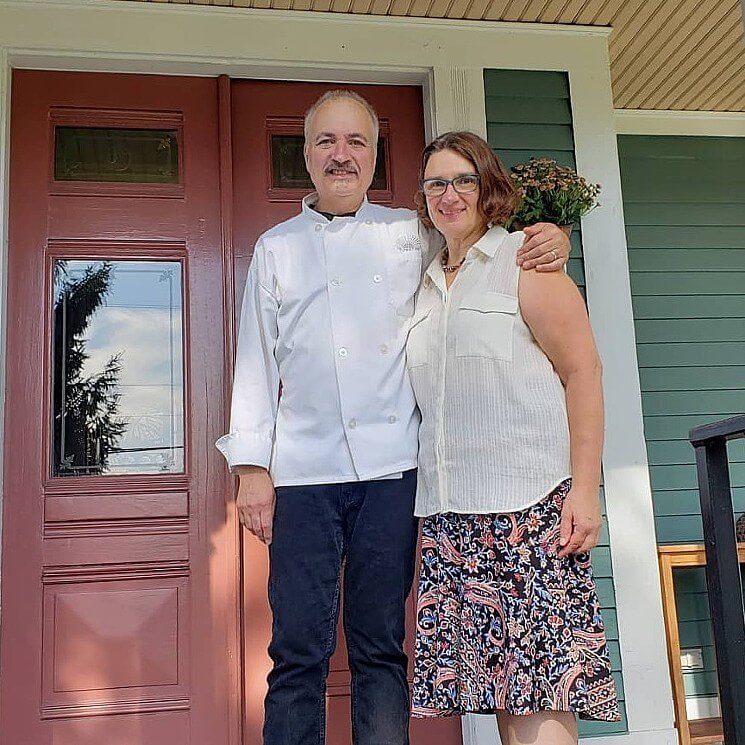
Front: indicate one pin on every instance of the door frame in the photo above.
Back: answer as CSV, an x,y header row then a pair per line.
x,y
114,36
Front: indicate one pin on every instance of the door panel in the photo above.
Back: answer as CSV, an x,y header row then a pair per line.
x,y
118,572
269,180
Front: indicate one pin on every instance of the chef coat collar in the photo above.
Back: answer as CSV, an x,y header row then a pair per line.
x,y
315,216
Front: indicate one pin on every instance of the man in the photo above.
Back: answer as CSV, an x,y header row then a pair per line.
x,y
327,468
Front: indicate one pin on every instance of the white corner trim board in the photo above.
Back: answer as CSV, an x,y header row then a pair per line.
x,y
628,492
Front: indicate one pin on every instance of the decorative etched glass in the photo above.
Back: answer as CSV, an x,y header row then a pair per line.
x,y
288,164
118,382
105,154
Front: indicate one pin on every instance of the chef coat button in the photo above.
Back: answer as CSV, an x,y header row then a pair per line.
x,y
318,227
368,222
352,423
343,352
392,419
377,278
383,349
336,282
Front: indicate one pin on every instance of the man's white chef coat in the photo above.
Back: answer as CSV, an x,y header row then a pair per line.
x,y
326,310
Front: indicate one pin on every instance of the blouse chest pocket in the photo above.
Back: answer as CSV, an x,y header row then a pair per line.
x,y
485,326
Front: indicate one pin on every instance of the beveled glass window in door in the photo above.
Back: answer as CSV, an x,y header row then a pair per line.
x,y
110,154
288,164
118,380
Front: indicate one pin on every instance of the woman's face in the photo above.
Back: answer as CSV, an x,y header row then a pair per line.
x,y
454,214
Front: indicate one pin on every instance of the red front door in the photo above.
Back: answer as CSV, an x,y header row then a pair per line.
x,y
119,569
134,610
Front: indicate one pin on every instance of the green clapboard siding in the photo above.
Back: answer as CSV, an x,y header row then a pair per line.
x,y
684,206
529,114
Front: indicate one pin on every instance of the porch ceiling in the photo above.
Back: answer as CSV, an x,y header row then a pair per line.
x,y
680,55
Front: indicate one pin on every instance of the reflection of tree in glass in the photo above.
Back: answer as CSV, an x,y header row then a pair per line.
x,y
86,426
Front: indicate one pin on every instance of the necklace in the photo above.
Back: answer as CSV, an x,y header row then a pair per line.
x,y
449,268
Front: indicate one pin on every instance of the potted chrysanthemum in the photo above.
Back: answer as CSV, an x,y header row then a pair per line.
x,y
551,193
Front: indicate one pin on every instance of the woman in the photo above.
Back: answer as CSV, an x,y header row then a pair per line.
x,y
508,381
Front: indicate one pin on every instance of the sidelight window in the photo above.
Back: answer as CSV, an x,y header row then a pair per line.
x,y
118,379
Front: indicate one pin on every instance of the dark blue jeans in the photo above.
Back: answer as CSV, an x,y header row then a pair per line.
x,y
369,528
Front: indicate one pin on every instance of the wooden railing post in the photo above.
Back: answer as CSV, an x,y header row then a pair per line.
x,y
723,569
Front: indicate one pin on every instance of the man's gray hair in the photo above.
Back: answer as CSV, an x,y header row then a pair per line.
x,y
339,95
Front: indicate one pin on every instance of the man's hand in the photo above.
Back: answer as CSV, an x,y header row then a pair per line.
x,y
546,248
580,522
255,501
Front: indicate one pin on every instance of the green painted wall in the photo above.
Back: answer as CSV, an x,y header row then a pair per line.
x,y
529,113
684,205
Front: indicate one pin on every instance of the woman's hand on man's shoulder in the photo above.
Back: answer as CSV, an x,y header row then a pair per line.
x,y
546,248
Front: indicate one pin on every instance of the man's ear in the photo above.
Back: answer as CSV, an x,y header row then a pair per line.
x,y
306,150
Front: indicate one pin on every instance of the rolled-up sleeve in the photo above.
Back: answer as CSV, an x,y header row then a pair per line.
x,y
253,409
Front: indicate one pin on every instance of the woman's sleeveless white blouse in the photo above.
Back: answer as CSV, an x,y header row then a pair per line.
x,y
494,435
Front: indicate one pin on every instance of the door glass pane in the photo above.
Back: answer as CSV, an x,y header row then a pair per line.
x,y
118,390
145,156
288,164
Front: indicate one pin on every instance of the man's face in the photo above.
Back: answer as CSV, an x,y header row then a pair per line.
x,y
340,153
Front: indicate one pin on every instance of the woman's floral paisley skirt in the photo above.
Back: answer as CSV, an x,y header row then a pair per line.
x,y
503,623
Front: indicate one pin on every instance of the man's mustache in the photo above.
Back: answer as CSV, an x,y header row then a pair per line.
x,y
340,165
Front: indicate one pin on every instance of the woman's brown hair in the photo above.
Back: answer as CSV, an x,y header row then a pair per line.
x,y
498,197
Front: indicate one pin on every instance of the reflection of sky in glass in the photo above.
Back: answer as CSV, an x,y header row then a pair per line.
x,y
141,321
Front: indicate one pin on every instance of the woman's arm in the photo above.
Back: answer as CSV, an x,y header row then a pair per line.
x,y
554,311
546,247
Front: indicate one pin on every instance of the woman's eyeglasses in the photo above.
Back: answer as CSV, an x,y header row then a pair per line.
x,y
464,184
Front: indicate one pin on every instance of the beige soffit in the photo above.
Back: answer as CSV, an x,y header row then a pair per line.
x,y
675,55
